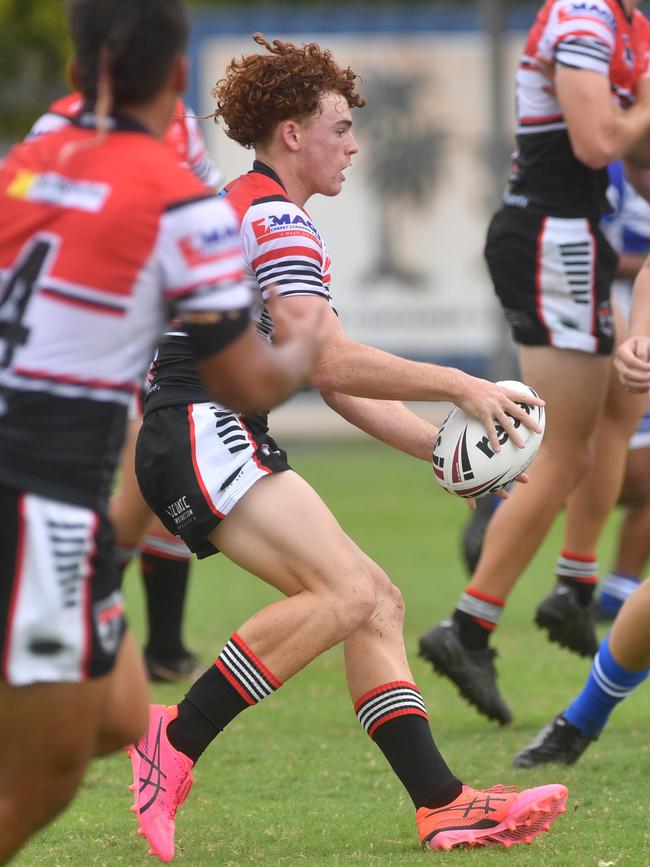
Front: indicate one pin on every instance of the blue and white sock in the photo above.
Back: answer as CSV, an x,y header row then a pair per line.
x,y
607,685
615,589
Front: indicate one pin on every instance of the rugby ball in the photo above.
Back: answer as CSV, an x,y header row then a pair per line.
x,y
463,460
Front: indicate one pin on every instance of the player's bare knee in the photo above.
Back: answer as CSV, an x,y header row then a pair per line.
x,y
356,605
390,602
566,464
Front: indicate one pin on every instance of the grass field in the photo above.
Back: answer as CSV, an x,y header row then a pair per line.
x,y
297,782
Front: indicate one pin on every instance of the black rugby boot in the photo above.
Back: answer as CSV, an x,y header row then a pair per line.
x,y
472,671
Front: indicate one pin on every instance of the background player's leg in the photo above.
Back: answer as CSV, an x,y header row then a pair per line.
x,y
591,502
573,384
620,665
633,544
129,514
165,563
165,577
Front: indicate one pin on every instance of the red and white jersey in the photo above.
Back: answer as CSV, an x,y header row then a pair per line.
x,y
595,35
101,240
183,135
281,248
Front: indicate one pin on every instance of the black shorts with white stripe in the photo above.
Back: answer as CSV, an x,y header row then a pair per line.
x,y
194,462
61,609
553,276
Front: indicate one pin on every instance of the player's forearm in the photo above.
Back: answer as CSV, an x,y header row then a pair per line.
x,y
389,422
638,156
357,369
250,374
628,131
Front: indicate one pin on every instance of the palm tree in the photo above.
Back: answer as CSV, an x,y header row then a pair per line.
x,y
403,158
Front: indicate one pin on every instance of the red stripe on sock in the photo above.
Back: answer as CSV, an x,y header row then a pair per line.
x,y
592,580
486,624
248,698
245,649
385,687
406,711
485,597
581,558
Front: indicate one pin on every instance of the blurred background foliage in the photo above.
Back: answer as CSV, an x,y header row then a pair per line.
x,y
34,49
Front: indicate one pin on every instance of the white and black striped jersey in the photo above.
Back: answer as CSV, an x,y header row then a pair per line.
x,y
281,248
595,35
101,242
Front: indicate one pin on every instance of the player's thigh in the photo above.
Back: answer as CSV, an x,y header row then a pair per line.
x,y
573,385
284,533
129,513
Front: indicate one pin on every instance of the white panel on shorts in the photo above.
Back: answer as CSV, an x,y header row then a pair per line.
x,y
51,603
565,285
218,453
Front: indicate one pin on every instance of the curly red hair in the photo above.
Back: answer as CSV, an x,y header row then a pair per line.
x,y
261,90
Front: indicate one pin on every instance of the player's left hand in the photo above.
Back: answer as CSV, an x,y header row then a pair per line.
x,y
632,363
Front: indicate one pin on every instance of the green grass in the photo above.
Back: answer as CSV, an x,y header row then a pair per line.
x,y
296,782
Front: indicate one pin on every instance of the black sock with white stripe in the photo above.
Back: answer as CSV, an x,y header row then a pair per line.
x,y
395,717
237,680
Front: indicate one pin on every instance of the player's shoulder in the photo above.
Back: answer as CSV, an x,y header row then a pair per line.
x,y
69,105
60,113
641,23
599,13
251,190
135,157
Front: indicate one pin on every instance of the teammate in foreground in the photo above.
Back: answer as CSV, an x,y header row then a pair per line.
x,y
102,233
552,269
164,559
217,479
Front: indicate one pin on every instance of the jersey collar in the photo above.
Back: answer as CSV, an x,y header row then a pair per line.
x,y
87,119
262,169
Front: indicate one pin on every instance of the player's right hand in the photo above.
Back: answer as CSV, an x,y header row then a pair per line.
x,y
494,404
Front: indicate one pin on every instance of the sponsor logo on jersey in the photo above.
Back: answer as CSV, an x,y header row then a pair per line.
x,y
201,248
52,188
283,223
588,10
